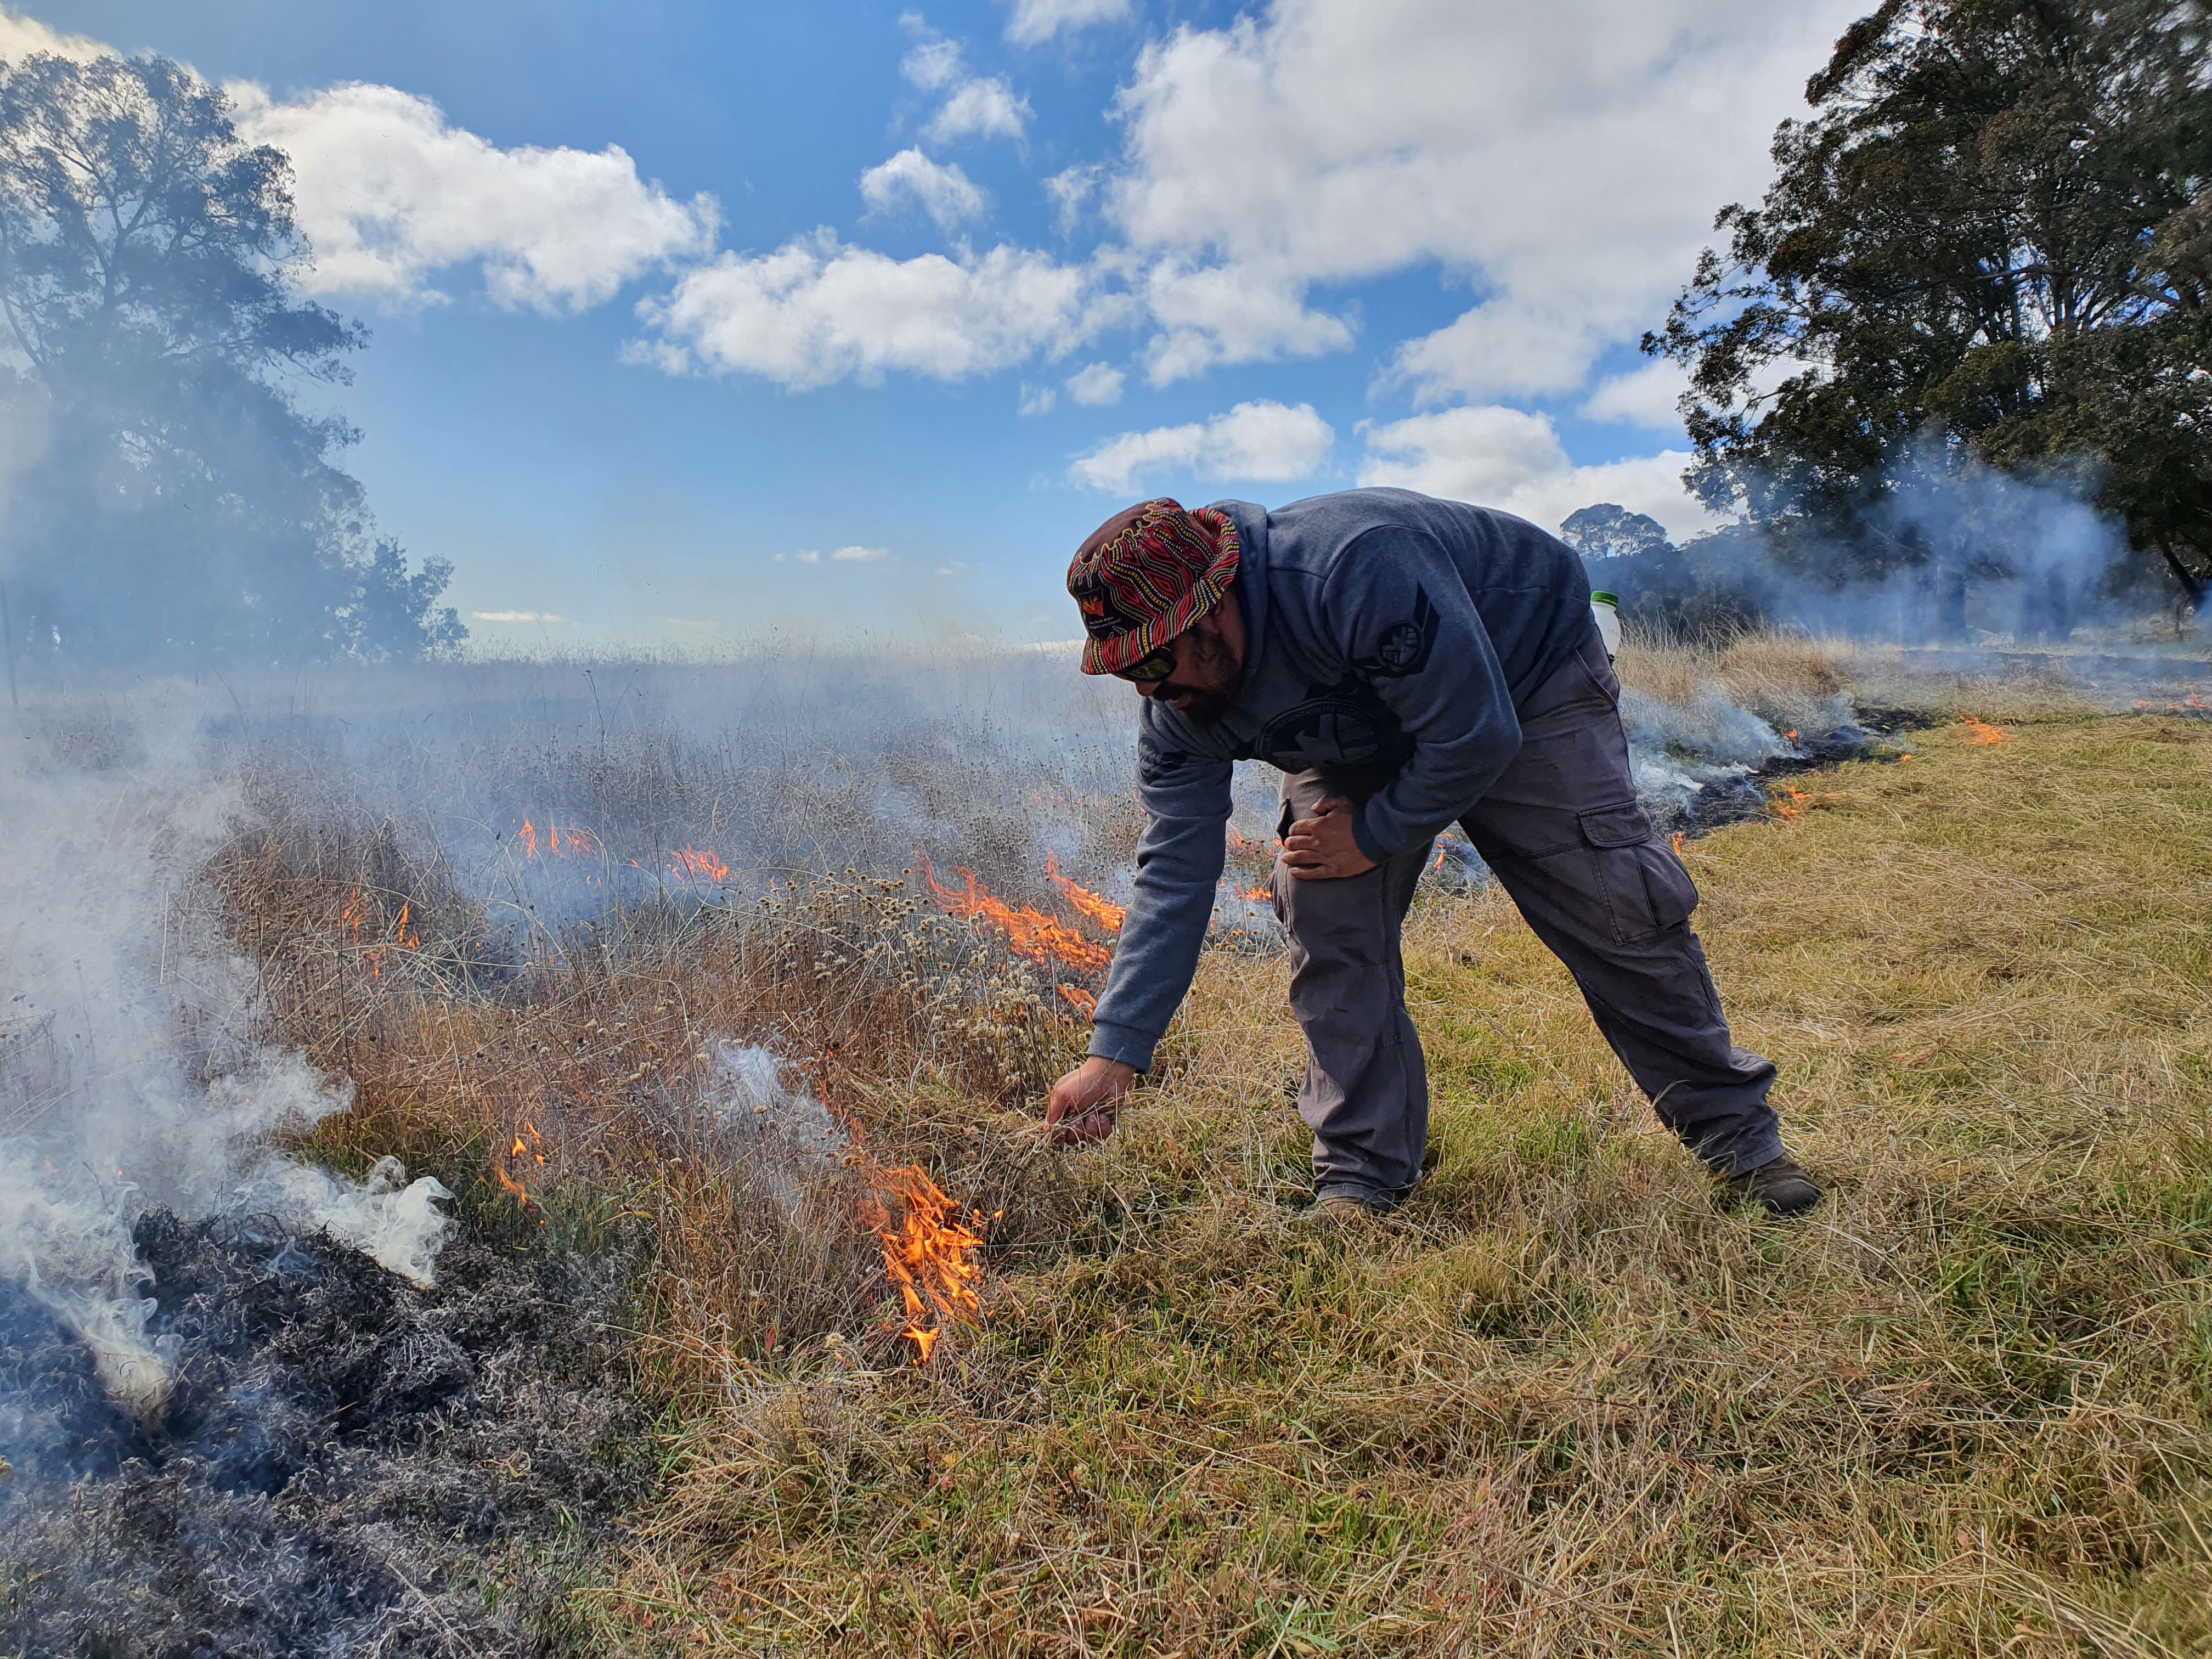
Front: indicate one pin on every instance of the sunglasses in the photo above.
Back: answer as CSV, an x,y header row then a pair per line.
x,y
1149,669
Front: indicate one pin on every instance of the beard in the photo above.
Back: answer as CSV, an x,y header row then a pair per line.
x,y
1204,708
1208,702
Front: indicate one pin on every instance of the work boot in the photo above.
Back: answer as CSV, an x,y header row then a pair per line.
x,y
1780,1186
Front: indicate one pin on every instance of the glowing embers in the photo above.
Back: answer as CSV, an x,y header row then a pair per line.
x,y
1031,934
1980,734
1243,847
374,950
929,1253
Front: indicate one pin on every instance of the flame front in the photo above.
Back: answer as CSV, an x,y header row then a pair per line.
x,y
928,1255
1106,914
692,861
1981,734
1789,802
1257,895
1079,999
1031,934
557,844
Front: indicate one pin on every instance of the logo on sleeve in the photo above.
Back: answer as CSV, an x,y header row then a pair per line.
x,y
1406,646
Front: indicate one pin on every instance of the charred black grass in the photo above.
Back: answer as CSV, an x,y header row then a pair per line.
x,y
347,1463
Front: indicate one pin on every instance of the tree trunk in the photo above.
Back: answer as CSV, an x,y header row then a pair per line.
x,y
2191,583
1946,597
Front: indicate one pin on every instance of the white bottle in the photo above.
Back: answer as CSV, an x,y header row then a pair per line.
x,y
1606,607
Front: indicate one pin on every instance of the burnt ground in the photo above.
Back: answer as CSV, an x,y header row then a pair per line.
x,y
1722,803
349,1465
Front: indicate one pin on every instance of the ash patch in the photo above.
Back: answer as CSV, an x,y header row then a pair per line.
x,y
348,1464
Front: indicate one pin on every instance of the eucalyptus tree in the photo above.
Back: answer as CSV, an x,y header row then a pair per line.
x,y
166,496
1989,245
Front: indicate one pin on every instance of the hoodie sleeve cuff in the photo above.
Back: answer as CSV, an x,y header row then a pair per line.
x,y
1125,1043
1363,836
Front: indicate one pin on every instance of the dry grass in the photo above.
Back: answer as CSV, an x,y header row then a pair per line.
x,y
1790,679
1787,680
1565,1405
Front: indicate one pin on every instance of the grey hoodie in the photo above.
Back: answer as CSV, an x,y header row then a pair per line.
x,y
1389,639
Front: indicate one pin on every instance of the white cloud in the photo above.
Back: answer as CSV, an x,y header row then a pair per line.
x,y
388,194
814,312
1095,385
1228,314
1036,400
515,616
1071,190
1266,442
1510,459
1035,22
1642,396
976,106
1568,158
946,193
812,555
861,554
980,108
20,37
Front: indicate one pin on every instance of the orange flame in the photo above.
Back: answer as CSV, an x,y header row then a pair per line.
x,y
1790,803
1106,914
1982,734
1031,934
1257,895
1677,843
1079,999
1791,736
577,843
533,1147
927,1255
691,861
1242,847
403,937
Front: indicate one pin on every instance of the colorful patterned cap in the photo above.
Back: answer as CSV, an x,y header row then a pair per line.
x,y
1150,580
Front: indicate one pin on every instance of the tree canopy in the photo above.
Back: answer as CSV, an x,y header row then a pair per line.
x,y
1990,246
169,499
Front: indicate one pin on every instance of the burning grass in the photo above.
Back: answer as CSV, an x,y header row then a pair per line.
x,y
1565,1404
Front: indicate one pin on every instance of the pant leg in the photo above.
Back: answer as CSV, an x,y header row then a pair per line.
x,y
1365,1095
1562,830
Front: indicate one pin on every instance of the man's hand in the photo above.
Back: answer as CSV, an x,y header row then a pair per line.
x,y
1082,1102
1321,847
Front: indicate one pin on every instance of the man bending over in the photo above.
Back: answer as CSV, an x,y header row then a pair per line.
x,y
1407,662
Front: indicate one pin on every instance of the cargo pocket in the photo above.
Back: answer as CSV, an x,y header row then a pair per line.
x,y
1645,888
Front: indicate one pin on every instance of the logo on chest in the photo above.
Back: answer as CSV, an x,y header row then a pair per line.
x,y
1342,724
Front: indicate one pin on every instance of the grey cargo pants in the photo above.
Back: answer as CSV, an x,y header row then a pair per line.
x,y
1561,829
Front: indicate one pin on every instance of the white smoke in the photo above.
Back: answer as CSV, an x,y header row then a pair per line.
x,y
129,1072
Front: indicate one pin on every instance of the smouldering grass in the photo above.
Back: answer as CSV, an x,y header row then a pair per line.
x,y
1566,1404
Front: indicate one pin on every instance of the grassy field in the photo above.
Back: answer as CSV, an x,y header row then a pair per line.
x,y
1564,1403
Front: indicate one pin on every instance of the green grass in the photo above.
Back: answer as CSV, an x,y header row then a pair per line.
x,y
1565,1404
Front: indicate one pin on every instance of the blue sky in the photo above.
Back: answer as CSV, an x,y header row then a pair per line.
x,y
675,304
